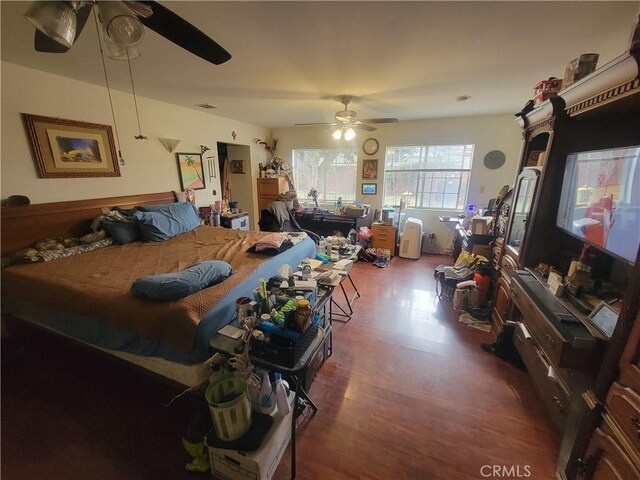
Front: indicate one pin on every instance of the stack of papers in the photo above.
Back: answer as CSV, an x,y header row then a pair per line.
x,y
342,264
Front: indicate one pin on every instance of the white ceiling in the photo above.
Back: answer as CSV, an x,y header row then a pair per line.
x,y
408,60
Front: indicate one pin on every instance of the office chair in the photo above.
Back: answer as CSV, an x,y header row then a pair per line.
x,y
276,217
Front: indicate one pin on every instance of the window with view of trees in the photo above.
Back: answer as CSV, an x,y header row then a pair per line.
x,y
428,176
333,173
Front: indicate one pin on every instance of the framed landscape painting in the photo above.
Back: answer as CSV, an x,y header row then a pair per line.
x,y
369,188
69,148
191,171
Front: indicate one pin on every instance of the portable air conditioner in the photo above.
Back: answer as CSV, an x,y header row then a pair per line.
x,y
411,238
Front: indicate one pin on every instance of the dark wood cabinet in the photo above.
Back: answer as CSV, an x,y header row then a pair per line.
x,y
589,382
501,304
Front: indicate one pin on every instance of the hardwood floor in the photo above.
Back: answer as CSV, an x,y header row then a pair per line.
x,y
407,394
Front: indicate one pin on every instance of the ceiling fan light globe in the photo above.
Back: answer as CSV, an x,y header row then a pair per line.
x,y
57,20
120,23
337,134
119,52
125,31
349,134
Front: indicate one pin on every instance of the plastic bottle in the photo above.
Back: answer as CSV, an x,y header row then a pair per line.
x,y
328,246
216,218
266,403
303,315
281,396
321,245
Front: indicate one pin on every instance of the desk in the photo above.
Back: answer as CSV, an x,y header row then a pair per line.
x,y
326,224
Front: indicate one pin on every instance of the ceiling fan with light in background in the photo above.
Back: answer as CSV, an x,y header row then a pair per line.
x,y
346,120
59,24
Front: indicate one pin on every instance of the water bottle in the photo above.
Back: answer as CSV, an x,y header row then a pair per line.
x,y
321,246
328,246
281,396
216,218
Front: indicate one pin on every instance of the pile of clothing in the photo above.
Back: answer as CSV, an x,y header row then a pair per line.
x,y
380,257
455,284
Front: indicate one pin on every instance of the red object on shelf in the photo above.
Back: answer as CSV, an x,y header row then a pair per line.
x,y
546,89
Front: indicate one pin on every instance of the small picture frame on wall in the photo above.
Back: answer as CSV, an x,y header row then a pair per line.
x,y
369,188
238,166
370,169
191,171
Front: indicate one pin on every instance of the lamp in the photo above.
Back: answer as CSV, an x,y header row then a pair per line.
x,y
349,134
346,131
120,23
169,143
57,20
118,52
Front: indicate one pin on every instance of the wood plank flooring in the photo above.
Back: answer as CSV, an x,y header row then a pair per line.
x,y
407,394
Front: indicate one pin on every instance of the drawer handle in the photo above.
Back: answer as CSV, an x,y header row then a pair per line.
x,y
550,341
559,405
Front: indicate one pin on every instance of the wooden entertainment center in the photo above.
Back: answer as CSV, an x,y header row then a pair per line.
x,y
590,388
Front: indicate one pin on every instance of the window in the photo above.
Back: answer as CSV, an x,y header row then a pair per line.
x,y
428,176
333,173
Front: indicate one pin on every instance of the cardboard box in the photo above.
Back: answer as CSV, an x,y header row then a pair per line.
x,y
258,465
579,68
483,250
481,225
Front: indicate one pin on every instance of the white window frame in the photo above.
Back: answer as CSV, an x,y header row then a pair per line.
x,y
425,174
323,196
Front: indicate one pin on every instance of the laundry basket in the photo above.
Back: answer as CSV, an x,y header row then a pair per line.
x,y
229,406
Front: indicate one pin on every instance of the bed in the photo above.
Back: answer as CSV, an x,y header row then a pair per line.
x,y
86,297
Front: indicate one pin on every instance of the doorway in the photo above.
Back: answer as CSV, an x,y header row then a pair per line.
x,y
240,186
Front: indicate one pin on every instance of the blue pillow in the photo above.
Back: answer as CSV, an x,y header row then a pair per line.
x,y
167,222
122,232
165,207
168,287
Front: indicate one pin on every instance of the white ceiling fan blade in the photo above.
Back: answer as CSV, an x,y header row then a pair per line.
x,y
362,126
316,124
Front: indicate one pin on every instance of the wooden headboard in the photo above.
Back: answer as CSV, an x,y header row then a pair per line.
x,y
26,224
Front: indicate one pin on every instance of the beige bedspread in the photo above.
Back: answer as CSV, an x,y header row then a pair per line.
x,y
96,284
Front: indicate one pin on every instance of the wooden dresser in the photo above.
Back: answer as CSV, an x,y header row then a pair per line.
x,y
384,236
560,353
613,451
269,189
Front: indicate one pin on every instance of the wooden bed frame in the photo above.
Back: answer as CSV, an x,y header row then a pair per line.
x,y
23,225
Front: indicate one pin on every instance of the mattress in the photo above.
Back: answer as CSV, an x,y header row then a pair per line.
x,y
202,315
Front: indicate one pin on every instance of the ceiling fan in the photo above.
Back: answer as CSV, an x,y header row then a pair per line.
x,y
346,120
59,24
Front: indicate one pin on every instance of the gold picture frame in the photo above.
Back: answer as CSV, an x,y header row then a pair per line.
x,y
69,148
370,169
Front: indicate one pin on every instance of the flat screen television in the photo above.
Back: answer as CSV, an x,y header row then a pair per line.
x,y
600,200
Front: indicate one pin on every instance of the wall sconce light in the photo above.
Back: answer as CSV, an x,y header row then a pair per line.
x,y
169,143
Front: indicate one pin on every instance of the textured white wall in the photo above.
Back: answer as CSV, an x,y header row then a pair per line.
x,y
492,132
149,167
